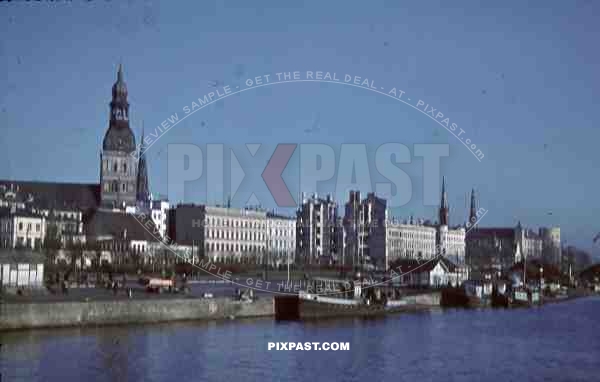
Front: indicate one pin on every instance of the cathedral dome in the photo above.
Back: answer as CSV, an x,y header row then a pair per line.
x,y
119,137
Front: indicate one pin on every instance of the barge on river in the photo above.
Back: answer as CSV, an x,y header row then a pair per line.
x,y
337,298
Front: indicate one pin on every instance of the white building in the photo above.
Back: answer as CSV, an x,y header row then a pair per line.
x,y
234,234
436,273
452,243
159,210
21,228
409,241
281,239
21,269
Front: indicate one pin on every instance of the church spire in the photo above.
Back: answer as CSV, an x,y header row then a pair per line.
x,y
120,73
473,210
143,189
444,204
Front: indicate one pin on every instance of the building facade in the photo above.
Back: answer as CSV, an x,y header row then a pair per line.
x,y
230,235
281,239
186,225
316,230
452,243
405,240
21,228
67,225
437,273
492,250
365,227
235,234
159,211
530,243
551,245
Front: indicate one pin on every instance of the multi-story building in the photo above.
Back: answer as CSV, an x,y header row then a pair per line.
x,y
375,214
353,219
530,243
316,230
365,226
492,250
281,239
496,250
186,226
342,243
235,234
452,243
223,234
67,225
21,228
551,245
410,240
159,211
118,237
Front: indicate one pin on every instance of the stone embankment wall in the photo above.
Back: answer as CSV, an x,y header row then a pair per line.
x,y
15,316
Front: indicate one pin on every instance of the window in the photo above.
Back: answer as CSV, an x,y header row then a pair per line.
x,y
115,167
123,187
20,226
37,228
125,168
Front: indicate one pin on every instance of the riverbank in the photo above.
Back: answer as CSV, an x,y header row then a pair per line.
x,y
49,314
22,316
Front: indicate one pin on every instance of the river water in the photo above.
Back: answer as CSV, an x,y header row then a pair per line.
x,y
558,342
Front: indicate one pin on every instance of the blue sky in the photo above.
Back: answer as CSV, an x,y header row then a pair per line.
x,y
518,78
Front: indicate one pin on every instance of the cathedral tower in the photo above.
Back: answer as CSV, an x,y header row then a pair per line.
x,y
118,173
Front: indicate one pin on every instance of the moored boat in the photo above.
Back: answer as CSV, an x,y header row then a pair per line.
x,y
335,298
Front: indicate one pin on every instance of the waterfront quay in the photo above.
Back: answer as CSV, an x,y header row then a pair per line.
x,y
31,315
98,306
